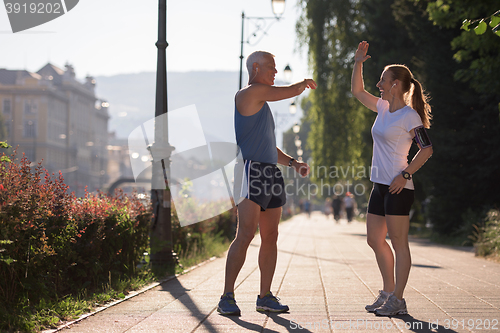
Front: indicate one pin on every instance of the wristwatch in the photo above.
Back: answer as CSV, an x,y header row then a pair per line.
x,y
406,175
291,161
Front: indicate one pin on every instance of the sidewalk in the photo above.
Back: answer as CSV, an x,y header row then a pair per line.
x,y
326,274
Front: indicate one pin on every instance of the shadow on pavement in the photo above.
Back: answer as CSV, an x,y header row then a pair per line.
x,y
421,326
426,266
338,261
175,288
290,325
286,323
247,325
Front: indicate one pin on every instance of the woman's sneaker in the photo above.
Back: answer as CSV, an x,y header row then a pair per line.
x,y
227,305
270,303
393,306
379,301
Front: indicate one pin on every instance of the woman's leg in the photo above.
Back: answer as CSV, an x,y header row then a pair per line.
x,y
376,230
398,227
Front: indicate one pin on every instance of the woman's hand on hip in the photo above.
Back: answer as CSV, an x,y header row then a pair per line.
x,y
397,185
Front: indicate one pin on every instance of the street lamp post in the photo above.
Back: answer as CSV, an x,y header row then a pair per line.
x,y
161,230
278,10
287,72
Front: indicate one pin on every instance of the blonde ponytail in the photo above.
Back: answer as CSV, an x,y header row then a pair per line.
x,y
418,100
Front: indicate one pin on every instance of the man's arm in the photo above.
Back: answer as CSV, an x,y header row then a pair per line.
x,y
301,167
250,99
268,93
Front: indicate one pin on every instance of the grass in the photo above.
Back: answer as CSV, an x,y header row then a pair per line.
x,y
482,231
201,250
487,237
51,313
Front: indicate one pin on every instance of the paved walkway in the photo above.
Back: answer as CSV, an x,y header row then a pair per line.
x,y
326,274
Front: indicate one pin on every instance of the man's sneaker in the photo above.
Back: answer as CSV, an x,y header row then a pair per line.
x,y
379,301
270,303
227,305
393,306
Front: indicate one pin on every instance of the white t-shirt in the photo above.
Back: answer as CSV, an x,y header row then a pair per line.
x,y
392,142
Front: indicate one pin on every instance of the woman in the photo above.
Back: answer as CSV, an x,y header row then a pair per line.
x,y
403,114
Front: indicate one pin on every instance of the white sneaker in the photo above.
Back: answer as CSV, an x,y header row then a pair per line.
x,y
393,306
379,301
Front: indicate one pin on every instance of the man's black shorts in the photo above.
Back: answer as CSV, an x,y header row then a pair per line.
x,y
382,202
262,183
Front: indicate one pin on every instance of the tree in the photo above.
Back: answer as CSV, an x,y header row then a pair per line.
x,y
331,29
481,26
458,68
469,160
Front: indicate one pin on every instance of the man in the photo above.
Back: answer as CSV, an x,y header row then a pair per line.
x,y
263,192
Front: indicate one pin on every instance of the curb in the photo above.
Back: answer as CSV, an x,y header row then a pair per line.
x,y
129,296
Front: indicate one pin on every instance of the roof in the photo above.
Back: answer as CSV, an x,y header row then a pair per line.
x,y
9,77
51,68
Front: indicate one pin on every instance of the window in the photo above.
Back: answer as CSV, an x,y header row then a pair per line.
x,y
6,107
30,107
30,154
29,129
7,129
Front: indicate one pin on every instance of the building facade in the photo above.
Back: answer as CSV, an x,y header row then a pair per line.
x,y
51,116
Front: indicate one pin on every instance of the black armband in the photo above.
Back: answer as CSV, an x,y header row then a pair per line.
x,y
422,138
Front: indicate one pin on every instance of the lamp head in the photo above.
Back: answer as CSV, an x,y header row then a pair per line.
x,y
278,7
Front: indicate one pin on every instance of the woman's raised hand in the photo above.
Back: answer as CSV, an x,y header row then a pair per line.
x,y
360,55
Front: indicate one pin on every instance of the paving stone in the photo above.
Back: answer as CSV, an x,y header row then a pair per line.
x,y
326,273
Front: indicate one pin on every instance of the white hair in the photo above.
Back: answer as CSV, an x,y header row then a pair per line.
x,y
256,57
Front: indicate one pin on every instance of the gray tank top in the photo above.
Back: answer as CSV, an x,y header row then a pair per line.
x,y
255,135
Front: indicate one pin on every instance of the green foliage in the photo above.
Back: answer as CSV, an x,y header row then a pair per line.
x,y
60,255
487,235
482,26
202,240
53,244
467,124
332,31
5,147
459,70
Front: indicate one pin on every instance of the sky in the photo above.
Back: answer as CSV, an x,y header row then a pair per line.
x,y
104,38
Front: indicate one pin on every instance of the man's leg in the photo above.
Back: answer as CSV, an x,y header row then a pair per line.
x,y
268,254
248,219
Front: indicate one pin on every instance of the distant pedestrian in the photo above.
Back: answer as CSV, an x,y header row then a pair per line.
x,y
327,207
349,205
336,206
307,208
263,194
402,115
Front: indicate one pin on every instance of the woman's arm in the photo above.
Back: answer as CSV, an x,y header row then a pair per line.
x,y
399,182
357,84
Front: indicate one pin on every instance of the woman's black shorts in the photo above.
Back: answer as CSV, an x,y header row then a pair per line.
x,y
382,202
